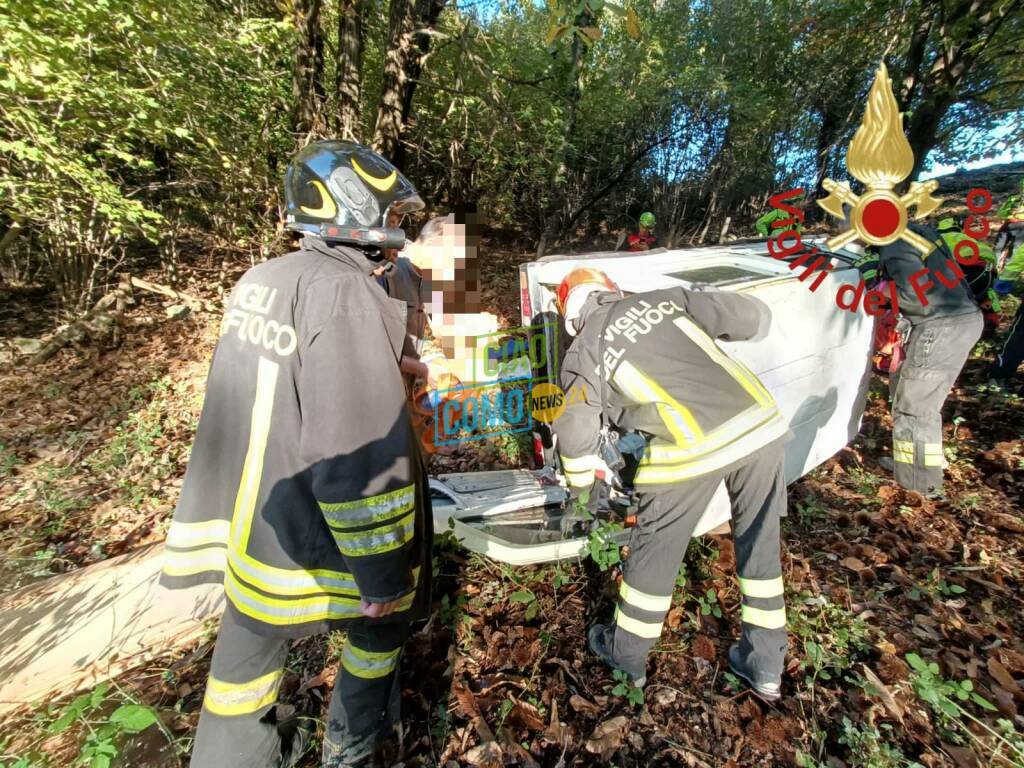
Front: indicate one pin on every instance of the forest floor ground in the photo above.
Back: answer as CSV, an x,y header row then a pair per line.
x,y
906,622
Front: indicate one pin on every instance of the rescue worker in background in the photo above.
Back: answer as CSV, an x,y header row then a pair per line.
x,y
763,225
1011,234
703,418
981,277
943,324
1012,352
305,493
643,240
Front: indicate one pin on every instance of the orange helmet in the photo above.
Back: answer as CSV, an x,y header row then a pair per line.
x,y
573,291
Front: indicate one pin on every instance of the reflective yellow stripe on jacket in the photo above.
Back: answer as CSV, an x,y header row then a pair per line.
x,y
695,452
290,611
374,525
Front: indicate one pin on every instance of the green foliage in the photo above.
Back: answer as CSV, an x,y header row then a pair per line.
x,y
8,462
529,599
145,450
936,588
871,747
601,546
101,733
117,113
945,697
708,603
625,687
451,612
833,638
812,511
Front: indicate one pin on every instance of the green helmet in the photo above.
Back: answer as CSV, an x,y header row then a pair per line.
x,y
345,193
647,220
949,224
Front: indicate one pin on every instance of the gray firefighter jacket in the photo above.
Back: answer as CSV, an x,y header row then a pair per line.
x,y
700,410
305,492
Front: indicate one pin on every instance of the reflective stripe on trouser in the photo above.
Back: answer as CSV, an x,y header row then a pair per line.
x,y
367,694
935,354
665,523
234,730
1012,354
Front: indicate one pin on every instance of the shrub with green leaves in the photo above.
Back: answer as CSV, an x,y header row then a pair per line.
x,y
101,733
117,112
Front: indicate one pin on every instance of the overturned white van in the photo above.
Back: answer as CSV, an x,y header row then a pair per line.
x,y
815,361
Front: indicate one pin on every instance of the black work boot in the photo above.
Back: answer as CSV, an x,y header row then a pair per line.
x,y
600,639
356,752
297,733
766,685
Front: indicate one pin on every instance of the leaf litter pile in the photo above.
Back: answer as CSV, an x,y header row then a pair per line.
x,y
905,614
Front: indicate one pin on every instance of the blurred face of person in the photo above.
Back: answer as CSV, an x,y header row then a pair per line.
x,y
446,254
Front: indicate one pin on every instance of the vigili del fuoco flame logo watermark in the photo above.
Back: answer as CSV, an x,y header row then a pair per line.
x,y
880,157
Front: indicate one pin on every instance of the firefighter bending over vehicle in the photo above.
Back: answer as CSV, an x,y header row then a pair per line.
x,y
650,368
943,324
305,493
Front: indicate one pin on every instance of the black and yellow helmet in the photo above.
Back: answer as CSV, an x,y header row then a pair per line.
x,y
347,193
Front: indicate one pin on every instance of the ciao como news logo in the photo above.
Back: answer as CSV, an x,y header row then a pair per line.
x,y
880,157
513,386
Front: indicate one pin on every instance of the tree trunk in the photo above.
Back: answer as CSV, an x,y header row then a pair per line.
x,y
427,14
409,22
560,162
963,33
307,71
823,152
916,53
349,68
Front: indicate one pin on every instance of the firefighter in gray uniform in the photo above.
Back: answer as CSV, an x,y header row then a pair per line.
x,y
305,493
944,323
705,418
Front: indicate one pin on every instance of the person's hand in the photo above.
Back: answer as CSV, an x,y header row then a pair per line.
x,y
378,610
439,375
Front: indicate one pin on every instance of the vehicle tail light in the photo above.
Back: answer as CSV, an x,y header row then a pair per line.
x,y
525,306
538,452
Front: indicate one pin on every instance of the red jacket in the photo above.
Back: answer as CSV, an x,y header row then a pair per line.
x,y
638,242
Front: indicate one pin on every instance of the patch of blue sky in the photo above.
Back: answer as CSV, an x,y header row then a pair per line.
x,y
1001,145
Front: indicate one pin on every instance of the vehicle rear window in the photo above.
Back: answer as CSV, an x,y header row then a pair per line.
x,y
725,273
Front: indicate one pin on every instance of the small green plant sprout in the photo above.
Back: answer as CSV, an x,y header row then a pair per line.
x,y
99,748
681,577
814,511
529,599
451,612
936,588
871,747
625,687
560,578
602,547
708,603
